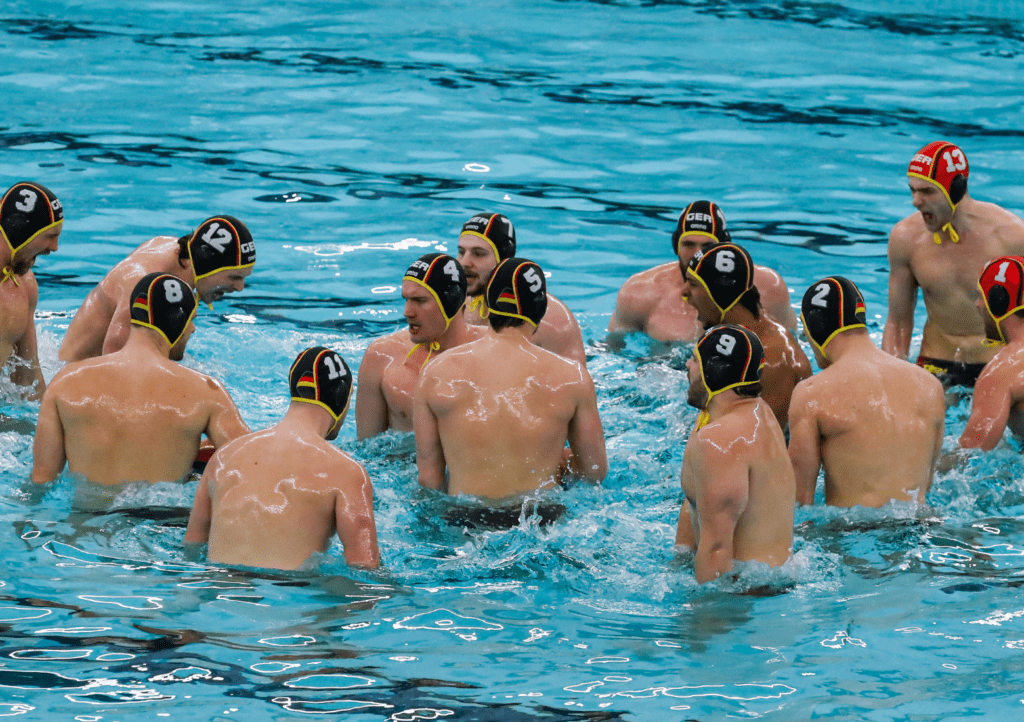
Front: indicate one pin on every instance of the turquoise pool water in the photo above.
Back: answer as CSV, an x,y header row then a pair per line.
x,y
352,138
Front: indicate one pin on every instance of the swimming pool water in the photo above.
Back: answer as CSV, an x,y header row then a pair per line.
x,y
354,137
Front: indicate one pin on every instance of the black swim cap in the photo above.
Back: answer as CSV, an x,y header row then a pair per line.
x,y
220,243
729,356
830,306
517,288
320,376
496,229
445,278
165,304
28,209
702,218
726,272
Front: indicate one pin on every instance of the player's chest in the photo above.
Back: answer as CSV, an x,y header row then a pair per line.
x,y
14,310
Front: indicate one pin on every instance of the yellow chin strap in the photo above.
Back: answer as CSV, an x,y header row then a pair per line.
x,y
702,419
9,273
948,228
479,305
431,348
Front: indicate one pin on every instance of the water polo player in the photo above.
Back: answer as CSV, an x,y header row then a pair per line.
x,y
251,518
493,416
999,391
652,301
942,249
736,473
31,219
486,240
434,289
874,422
135,414
719,285
214,259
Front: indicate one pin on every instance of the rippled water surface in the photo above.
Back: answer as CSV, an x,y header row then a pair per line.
x,y
354,137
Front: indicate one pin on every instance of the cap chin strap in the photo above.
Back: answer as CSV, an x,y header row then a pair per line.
x,y
9,273
948,228
702,419
431,348
479,304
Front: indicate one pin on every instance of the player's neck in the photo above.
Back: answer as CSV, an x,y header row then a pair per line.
x,y
855,343
726,402
143,340
1013,330
457,332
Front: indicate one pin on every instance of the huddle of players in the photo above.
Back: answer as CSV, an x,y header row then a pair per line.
x,y
494,437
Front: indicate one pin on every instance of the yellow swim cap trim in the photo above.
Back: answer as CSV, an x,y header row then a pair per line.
x,y
997,319
218,270
497,256
721,310
702,419
514,315
437,299
828,340
160,331
948,228
713,394
324,406
31,238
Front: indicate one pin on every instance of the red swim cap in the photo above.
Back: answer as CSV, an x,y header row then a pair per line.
x,y
945,165
1002,287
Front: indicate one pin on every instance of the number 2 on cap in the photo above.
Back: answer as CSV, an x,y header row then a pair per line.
x,y
819,297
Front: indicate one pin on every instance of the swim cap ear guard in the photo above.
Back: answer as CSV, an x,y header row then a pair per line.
x,y
445,278
321,376
1002,287
496,229
28,209
729,356
726,272
702,218
220,243
165,304
829,307
945,166
518,289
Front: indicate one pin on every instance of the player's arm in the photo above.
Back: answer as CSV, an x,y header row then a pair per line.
x,y
371,406
27,371
627,317
684,529
560,334
989,410
48,457
198,530
430,461
899,326
353,516
722,482
775,297
804,445
225,422
586,435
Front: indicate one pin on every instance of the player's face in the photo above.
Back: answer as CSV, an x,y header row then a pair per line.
x,y
42,245
477,258
213,287
697,296
426,322
689,244
697,396
929,199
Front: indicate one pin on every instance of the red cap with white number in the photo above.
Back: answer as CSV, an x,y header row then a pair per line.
x,y
945,165
1002,287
